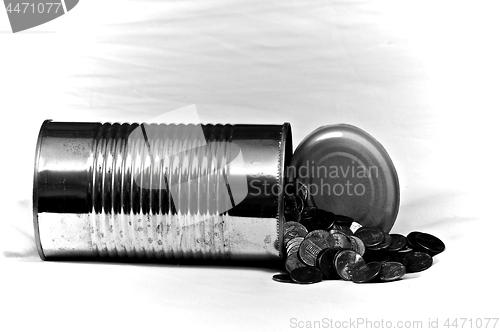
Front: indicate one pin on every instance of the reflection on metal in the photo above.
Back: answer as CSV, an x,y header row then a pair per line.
x,y
160,190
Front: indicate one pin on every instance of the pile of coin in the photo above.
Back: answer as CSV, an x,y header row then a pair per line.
x,y
320,245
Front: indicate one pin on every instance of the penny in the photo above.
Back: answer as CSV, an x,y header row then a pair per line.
x,y
318,233
366,273
401,255
382,245
306,275
293,262
334,231
310,248
377,256
339,241
343,220
418,261
371,236
346,261
325,263
398,242
344,229
391,271
357,245
299,204
294,233
293,249
295,242
410,238
302,191
289,225
429,243
323,220
282,277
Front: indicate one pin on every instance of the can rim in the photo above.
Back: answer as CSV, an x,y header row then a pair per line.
x,y
35,190
285,156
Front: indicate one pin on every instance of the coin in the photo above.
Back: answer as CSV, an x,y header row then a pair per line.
x,y
293,262
366,273
310,248
377,256
401,255
282,277
382,245
357,245
398,242
418,261
342,228
339,241
306,275
294,248
325,263
323,219
371,236
302,191
293,244
410,238
392,271
317,233
289,225
299,207
427,243
346,261
343,220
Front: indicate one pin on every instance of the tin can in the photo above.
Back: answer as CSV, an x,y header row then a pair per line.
x,y
166,191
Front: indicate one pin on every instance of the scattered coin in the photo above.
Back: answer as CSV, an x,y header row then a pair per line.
x,y
282,277
342,228
370,236
293,262
346,261
398,242
366,273
325,263
302,191
339,241
382,245
306,275
318,233
323,220
357,245
293,246
310,248
392,271
418,261
343,220
428,243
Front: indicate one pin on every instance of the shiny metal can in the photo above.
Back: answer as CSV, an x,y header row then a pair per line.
x,y
166,191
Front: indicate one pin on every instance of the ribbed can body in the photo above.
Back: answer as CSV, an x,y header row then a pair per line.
x,y
162,191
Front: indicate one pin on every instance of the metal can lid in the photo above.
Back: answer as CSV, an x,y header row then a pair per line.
x,y
348,172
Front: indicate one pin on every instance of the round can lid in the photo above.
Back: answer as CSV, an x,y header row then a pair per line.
x,y
348,172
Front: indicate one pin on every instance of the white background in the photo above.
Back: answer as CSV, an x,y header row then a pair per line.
x,y
423,77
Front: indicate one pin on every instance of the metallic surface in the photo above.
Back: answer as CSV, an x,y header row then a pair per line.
x,y
164,191
348,172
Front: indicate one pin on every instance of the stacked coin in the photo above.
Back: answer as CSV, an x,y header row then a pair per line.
x,y
346,250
